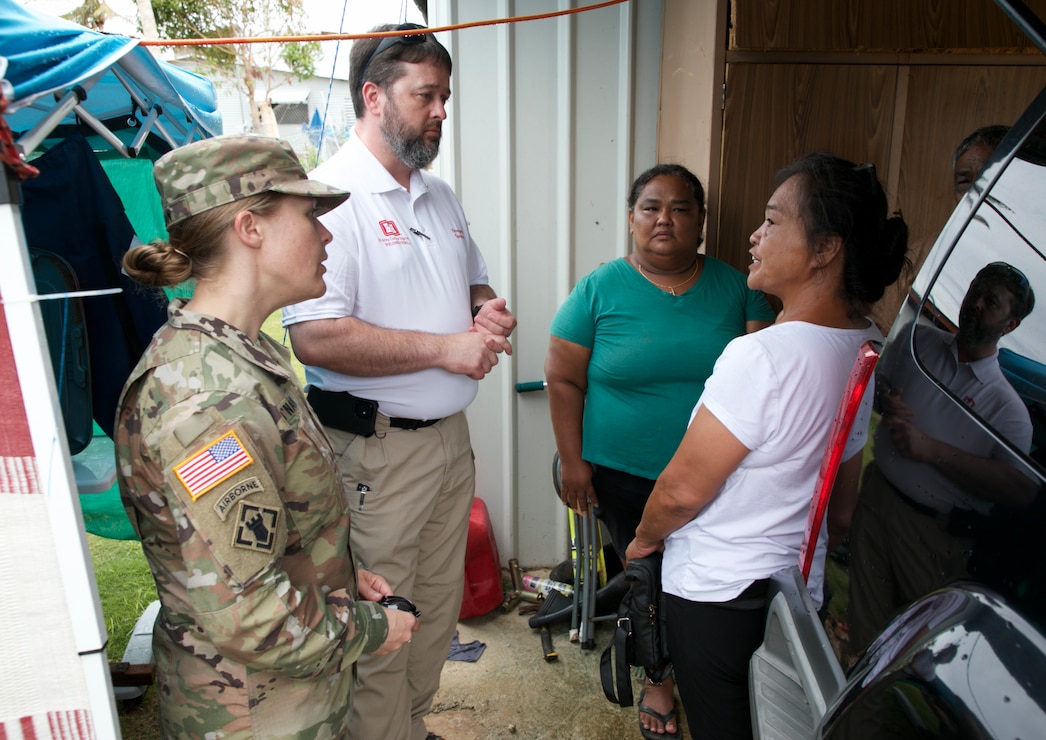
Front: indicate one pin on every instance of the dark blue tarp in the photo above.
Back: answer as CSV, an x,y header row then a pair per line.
x,y
92,236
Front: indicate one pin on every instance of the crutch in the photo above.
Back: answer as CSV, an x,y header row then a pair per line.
x,y
589,570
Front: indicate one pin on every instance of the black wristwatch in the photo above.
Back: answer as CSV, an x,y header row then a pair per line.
x,y
475,310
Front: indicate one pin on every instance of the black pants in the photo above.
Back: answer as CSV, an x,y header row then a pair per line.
x,y
711,645
622,498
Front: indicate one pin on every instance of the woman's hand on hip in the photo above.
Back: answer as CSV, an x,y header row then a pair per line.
x,y
639,549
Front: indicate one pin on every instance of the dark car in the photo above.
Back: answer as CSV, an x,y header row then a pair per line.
x,y
967,658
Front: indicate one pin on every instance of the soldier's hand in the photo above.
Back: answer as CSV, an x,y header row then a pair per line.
x,y
371,586
401,626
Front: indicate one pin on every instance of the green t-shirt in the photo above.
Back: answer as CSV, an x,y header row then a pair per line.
x,y
651,355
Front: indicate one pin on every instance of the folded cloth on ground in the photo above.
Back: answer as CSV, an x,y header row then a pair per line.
x,y
468,652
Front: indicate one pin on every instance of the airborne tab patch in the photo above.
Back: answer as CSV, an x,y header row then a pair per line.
x,y
256,527
244,488
221,459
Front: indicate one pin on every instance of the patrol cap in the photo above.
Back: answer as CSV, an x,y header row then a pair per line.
x,y
213,172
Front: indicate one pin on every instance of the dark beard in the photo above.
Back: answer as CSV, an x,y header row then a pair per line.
x,y
413,152
409,149
972,334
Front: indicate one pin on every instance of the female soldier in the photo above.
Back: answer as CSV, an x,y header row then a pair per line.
x,y
226,475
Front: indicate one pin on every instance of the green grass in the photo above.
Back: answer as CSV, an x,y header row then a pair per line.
x,y
837,581
125,586
273,329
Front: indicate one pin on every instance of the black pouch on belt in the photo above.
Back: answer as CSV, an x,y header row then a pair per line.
x,y
344,411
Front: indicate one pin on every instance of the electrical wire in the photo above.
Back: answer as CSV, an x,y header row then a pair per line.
x,y
380,34
330,82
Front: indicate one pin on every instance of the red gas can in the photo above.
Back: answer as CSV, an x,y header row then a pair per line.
x,y
483,590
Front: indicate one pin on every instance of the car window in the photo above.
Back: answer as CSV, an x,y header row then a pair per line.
x,y
953,488
1008,229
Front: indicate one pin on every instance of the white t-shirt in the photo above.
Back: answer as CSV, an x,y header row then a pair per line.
x,y
777,392
398,260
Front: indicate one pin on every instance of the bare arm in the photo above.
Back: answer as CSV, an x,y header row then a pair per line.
x,y
566,372
480,294
843,501
708,454
353,347
983,477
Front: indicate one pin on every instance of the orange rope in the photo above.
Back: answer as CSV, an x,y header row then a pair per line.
x,y
10,155
381,34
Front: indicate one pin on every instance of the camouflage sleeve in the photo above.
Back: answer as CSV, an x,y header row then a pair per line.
x,y
262,541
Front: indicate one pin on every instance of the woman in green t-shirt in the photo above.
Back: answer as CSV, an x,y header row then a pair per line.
x,y
630,350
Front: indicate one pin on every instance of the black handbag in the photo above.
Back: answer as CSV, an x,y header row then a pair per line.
x,y
639,639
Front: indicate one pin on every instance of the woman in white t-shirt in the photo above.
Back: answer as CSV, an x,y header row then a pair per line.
x,y
730,508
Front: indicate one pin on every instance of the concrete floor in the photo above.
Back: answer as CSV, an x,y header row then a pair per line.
x,y
512,692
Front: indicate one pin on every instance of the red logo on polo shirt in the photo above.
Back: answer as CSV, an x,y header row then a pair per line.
x,y
389,228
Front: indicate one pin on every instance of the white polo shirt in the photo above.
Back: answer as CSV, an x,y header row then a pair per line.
x,y
980,384
398,260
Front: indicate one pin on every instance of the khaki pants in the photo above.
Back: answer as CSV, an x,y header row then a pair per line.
x,y
410,526
896,555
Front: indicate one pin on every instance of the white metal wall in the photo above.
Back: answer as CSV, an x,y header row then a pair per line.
x,y
550,121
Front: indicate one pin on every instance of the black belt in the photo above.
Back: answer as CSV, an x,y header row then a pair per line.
x,y
959,522
412,424
921,508
348,413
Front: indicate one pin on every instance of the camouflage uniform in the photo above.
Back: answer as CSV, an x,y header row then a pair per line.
x,y
232,487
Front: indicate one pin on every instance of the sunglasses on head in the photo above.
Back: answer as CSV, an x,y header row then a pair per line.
x,y
410,39
1023,290
1022,279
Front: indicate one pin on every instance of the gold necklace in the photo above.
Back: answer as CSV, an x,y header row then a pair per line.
x,y
670,288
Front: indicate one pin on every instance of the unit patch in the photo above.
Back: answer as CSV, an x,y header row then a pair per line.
x,y
256,527
221,459
223,506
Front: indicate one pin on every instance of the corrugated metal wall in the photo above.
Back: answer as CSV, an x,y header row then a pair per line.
x,y
564,113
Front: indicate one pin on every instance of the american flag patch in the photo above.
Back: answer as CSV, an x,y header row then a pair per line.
x,y
221,459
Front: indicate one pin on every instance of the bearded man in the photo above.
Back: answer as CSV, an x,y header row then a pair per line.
x,y
393,352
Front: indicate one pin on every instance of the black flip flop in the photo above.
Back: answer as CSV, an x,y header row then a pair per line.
x,y
665,719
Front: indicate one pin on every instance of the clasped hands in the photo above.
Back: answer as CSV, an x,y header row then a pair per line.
x,y
475,353
908,439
